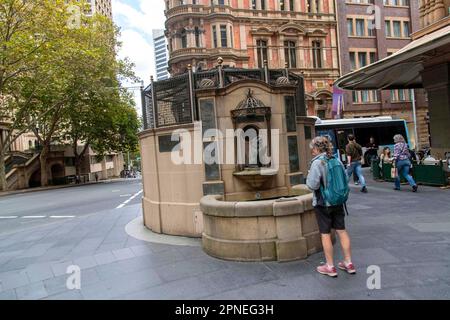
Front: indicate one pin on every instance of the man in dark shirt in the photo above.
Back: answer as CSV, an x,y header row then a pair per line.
x,y
354,154
372,151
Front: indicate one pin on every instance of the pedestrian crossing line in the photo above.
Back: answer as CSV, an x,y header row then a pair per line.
x,y
123,204
62,217
34,217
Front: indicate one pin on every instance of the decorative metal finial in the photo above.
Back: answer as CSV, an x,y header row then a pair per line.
x,y
189,66
151,79
286,65
265,63
220,61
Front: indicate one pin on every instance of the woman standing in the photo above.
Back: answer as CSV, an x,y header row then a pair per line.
x,y
402,162
328,217
385,157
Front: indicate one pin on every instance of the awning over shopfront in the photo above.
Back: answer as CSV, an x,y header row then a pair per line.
x,y
402,69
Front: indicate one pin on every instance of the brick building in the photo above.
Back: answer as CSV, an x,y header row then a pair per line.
x,y
364,40
245,33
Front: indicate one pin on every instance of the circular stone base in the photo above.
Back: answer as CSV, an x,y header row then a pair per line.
x,y
283,229
137,230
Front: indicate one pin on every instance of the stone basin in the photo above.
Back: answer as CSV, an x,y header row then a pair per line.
x,y
256,177
278,229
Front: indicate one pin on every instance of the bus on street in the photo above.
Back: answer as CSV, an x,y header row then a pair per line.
x,y
381,129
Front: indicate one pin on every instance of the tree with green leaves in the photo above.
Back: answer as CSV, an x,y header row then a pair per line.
x,y
101,115
71,85
30,36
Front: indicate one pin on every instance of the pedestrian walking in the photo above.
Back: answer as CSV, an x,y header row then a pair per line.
x,y
328,181
96,177
402,163
354,155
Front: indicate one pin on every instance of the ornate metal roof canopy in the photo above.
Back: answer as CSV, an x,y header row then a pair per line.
x,y
251,108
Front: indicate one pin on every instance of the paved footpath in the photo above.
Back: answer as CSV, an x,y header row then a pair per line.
x,y
407,235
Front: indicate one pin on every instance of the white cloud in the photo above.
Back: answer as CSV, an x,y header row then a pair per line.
x,y
137,19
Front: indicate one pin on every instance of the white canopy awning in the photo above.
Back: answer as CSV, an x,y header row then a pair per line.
x,y
401,70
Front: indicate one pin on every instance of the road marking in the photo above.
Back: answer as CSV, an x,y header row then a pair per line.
x,y
125,195
34,217
114,191
62,217
123,204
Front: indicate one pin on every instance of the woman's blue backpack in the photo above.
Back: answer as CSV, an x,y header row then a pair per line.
x,y
336,192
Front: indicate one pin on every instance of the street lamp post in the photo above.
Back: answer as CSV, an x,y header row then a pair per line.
x,y
413,98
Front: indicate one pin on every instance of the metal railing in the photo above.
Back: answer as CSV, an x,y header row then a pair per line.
x,y
173,101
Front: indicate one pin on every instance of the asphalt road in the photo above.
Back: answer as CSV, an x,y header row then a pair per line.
x,y
21,211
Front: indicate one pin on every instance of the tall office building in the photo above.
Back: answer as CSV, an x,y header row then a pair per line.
x,y
371,30
245,33
102,7
161,54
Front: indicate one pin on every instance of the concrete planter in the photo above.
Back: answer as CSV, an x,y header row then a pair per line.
x,y
283,229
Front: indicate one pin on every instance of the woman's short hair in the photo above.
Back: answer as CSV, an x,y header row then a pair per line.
x,y
323,144
398,138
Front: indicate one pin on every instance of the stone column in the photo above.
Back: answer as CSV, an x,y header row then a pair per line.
x,y
436,80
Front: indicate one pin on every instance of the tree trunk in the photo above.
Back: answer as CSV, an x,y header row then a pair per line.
x,y
78,160
3,183
43,159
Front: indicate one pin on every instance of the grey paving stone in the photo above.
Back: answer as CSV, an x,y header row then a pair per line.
x,y
122,285
68,295
18,263
420,252
188,288
60,268
123,254
39,272
125,266
58,285
108,247
97,291
104,258
85,262
302,287
8,295
37,250
141,250
373,256
32,291
189,268
88,245
18,247
13,279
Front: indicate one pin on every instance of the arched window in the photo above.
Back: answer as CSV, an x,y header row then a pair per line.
x,y
252,145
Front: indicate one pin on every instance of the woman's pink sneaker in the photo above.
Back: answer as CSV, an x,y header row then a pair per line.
x,y
328,271
350,268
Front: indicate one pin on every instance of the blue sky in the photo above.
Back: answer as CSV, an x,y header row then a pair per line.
x,y
137,19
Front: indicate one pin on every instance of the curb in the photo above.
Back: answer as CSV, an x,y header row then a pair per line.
x,y
24,191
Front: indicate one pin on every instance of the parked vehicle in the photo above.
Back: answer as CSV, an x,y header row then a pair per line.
x,y
381,129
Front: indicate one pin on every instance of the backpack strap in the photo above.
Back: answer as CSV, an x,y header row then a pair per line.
x,y
345,208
